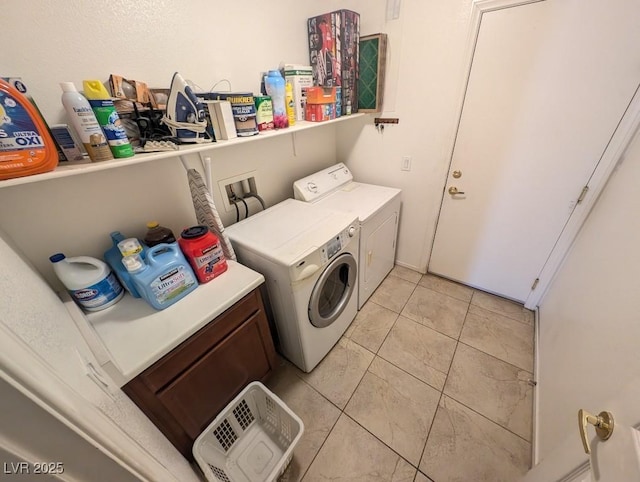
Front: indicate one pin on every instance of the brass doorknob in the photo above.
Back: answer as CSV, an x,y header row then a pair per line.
x,y
603,424
454,190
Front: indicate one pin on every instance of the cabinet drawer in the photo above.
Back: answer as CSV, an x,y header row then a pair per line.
x,y
183,356
200,393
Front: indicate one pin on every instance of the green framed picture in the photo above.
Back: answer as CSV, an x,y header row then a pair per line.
x,y
373,58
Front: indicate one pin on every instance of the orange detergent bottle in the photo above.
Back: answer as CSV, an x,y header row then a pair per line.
x,y
26,147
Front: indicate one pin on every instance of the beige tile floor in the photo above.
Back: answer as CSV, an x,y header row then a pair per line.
x,y
431,382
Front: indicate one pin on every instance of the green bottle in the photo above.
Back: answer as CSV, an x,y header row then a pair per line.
x,y
108,118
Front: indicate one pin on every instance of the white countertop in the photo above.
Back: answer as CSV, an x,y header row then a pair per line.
x,y
135,335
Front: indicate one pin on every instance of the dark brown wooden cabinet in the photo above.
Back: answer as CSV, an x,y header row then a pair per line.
x,y
186,389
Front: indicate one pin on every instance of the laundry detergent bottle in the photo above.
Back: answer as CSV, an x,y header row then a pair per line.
x,y
113,256
25,144
164,277
90,282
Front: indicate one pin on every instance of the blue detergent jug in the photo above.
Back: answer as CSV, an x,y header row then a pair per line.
x,y
113,257
164,277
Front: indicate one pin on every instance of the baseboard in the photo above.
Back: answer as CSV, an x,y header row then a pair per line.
x,y
411,267
535,450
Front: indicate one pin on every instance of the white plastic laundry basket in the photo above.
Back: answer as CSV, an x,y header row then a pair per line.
x,y
251,440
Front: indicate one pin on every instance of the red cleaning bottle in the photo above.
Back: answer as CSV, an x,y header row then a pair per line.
x,y
202,248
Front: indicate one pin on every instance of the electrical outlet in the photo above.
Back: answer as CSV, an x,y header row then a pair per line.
x,y
237,186
406,163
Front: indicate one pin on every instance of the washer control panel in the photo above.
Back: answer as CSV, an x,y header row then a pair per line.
x,y
336,244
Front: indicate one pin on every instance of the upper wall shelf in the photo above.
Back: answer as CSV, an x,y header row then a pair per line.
x,y
67,169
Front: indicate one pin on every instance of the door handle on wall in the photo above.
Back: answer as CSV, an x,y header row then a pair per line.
x,y
454,190
603,424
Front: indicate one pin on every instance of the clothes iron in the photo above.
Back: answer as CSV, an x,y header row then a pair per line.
x,y
185,113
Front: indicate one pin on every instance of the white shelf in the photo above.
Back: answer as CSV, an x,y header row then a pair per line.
x,y
66,169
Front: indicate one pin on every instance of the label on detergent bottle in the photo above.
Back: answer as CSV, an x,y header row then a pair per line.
x,y
171,284
99,294
206,265
20,142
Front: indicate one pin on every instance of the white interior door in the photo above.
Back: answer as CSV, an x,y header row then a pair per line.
x,y
549,84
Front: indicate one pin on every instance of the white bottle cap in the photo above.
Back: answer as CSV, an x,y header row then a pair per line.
x,y
68,87
129,246
133,263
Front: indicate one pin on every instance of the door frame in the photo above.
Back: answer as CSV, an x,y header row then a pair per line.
x,y
614,153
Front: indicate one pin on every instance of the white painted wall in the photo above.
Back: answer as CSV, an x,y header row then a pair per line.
x,y
589,324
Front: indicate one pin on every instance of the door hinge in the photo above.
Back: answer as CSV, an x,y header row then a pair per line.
x,y
582,194
535,283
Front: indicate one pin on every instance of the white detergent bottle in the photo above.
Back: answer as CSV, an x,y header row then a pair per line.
x,y
90,281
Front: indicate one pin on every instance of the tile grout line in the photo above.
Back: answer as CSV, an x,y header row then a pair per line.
x,y
488,419
378,439
463,404
442,394
496,358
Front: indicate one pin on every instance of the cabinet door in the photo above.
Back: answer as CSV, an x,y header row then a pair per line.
x,y
201,392
185,355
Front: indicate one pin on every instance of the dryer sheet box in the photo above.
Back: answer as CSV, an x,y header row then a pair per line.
x,y
334,53
300,77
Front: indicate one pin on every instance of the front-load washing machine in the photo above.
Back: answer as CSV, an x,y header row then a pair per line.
x,y
308,256
378,209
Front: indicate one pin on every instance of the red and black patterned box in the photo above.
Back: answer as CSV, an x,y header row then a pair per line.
x,y
334,40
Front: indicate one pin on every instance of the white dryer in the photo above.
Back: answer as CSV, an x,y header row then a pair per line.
x,y
378,209
308,256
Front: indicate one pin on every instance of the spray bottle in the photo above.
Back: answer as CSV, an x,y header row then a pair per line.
x,y
85,123
108,118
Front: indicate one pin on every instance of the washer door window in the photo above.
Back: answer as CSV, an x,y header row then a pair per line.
x,y
333,291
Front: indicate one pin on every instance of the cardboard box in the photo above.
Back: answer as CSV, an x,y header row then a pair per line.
x,y
334,42
321,95
319,112
300,76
